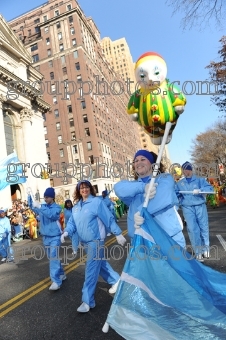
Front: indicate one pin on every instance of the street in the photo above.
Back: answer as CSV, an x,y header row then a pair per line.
x,y
28,310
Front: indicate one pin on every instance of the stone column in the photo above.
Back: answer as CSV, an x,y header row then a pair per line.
x,y
3,152
5,194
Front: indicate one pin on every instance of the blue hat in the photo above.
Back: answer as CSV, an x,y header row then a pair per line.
x,y
187,166
50,192
146,154
105,192
1,211
83,181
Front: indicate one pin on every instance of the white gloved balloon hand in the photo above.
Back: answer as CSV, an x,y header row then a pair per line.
x,y
152,192
196,191
36,204
121,239
179,109
65,234
139,220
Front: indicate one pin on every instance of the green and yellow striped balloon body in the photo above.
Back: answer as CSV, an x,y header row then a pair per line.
x,y
155,108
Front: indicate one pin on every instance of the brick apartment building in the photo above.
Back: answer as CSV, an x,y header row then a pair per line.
x,y
88,116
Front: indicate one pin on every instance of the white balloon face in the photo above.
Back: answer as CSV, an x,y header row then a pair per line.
x,y
151,71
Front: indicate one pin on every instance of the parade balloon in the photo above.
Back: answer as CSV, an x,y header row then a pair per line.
x,y
156,101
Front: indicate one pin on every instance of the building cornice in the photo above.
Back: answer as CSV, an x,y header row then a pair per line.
x,y
22,88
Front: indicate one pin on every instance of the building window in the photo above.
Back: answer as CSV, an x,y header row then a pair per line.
x,y
74,42
45,130
61,153
69,7
70,18
29,33
58,126
69,109
46,29
97,132
75,149
83,104
85,118
53,88
91,159
72,30
59,138
79,78
34,47
45,18
73,136
49,52
47,41
37,29
77,66
89,146
60,36
47,143
62,59
35,58
58,24
61,47
57,13
51,75
64,69
36,21
48,155
87,133
50,63
75,54
56,113
54,100
71,122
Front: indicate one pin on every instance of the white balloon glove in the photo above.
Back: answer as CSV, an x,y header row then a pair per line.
x,y
196,191
139,220
65,234
121,239
152,192
36,204
179,109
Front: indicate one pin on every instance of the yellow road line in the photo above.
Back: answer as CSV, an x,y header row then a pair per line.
x,y
44,284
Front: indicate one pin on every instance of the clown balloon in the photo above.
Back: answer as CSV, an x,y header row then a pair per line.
x,y
157,101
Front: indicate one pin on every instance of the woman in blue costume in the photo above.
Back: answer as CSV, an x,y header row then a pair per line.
x,y
164,292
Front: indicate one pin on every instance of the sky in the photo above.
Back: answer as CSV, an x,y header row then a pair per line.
x,y
150,26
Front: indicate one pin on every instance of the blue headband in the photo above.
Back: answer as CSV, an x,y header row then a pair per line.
x,y
187,166
83,181
146,154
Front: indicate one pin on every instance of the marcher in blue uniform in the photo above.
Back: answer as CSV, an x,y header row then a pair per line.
x,y
162,199
194,210
67,214
50,230
91,220
5,236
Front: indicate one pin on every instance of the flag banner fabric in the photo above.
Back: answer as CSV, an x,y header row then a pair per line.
x,y
164,293
9,172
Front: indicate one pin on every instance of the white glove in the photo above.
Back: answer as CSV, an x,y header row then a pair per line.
x,y
65,234
36,204
152,192
139,220
121,239
196,191
179,109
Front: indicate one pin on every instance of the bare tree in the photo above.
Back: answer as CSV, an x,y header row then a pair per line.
x,y
199,12
210,146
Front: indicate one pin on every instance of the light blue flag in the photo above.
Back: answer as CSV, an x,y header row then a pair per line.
x,y
10,173
164,293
